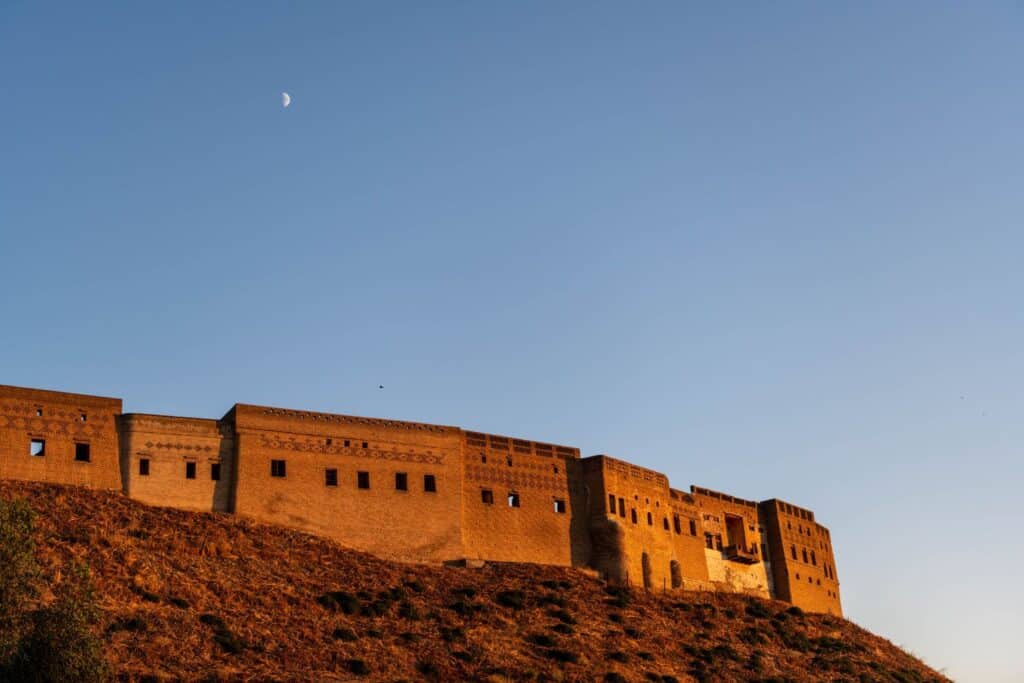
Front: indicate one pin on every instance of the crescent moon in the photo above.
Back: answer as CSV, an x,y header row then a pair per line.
x,y
286,99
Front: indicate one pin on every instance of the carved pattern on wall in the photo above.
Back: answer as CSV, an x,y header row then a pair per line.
x,y
180,447
146,423
77,429
347,419
513,479
318,446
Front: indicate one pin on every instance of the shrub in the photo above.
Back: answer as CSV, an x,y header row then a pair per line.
x,y
758,610
179,603
615,617
19,572
631,632
513,599
222,635
340,601
132,624
467,592
462,656
564,629
345,634
795,611
452,634
613,677
549,584
428,670
620,596
409,637
562,616
464,608
541,640
617,656
646,656
564,656
414,585
552,599
60,645
357,667
407,610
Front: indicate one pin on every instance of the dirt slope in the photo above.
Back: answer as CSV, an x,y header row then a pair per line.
x,y
211,597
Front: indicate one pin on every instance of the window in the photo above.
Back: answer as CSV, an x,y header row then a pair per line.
x,y
559,506
554,468
709,541
805,554
718,541
675,523
650,519
792,550
331,477
401,481
37,448
363,480
622,507
39,412
366,445
664,523
215,471
762,549
611,503
693,527
798,577
277,468
330,442
487,497
632,513
83,417
814,560
190,470
347,443
82,452
429,483
513,500
483,459
143,467
508,461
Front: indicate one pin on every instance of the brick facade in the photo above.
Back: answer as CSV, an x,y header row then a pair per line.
x,y
420,492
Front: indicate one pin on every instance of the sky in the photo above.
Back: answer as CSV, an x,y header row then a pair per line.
x,y
768,248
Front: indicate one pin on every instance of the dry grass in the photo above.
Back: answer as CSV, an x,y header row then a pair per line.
x,y
211,597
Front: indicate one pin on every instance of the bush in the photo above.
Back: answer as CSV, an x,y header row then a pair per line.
x,y
345,634
450,635
758,610
617,656
414,585
646,656
562,616
222,635
613,677
467,592
340,601
631,632
541,640
60,645
407,610
620,596
132,624
564,629
428,670
19,572
512,599
357,667
795,611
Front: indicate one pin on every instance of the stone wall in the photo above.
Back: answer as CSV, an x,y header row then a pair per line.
x,y
59,437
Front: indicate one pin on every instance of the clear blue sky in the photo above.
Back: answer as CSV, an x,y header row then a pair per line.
x,y
769,250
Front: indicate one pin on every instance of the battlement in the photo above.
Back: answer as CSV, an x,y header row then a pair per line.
x,y
423,492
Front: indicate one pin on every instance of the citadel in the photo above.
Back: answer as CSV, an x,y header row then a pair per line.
x,y
419,492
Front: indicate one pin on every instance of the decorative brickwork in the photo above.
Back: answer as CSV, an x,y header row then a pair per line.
x,y
421,492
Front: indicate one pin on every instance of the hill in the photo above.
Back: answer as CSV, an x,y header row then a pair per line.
x,y
212,597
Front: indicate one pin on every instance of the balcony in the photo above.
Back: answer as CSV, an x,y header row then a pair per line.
x,y
737,553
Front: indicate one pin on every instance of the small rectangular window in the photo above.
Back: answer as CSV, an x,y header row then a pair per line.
x,y
347,443
650,519
693,527
83,417
559,506
37,448
709,540
82,452
664,523
429,483
39,412
366,445
214,471
487,497
513,500
632,513
143,467
676,524
331,477
611,503
277,468
622,507
190,470
363,480
401,481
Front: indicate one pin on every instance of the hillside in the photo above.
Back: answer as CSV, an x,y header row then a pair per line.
x,y
211,597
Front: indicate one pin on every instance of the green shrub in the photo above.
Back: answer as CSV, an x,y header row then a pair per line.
x,y
758,610
19,572
60,645
541,640
795,611
613,677
564,656
342,601
179,603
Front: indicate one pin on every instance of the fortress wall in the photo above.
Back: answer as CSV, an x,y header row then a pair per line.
x,y
803,565
689,541
518,503
75,435
158,453
733,523
641,524
414,524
